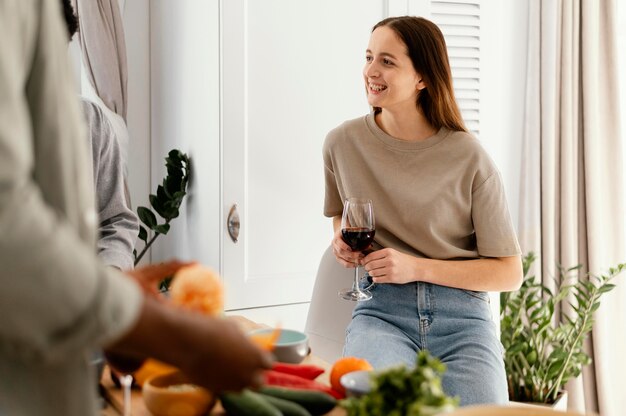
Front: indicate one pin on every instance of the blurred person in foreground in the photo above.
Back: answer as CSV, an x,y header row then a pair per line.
x,y
58,300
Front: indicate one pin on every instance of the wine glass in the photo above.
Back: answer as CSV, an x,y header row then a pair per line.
x,y
122,368
357,230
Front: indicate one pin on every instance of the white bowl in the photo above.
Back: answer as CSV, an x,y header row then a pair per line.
x,y
356,383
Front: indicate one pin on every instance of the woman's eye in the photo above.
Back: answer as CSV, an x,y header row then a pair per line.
x,y
387,62
368,59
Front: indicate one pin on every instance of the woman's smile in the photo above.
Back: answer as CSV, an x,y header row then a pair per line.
x,y
376,88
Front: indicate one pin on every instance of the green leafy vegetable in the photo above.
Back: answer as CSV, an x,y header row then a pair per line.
x,y
401,391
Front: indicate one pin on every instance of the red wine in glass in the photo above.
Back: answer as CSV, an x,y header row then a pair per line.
x,y
358,238
357,230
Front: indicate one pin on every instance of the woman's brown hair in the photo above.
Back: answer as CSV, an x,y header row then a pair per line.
x,y
427,49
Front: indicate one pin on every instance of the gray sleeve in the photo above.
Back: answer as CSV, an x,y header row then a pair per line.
x,y
119,226
56,299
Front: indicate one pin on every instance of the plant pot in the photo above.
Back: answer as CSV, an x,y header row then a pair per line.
x,y
559,404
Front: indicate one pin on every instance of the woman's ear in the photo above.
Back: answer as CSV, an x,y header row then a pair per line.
x,y
420,85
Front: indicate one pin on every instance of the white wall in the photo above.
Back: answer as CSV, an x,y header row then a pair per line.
x,y
185,105
137,30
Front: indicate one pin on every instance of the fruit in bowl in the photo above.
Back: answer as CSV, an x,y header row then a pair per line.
x,y
173,394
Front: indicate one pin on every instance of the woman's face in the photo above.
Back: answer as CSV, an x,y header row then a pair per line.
x,y
390,79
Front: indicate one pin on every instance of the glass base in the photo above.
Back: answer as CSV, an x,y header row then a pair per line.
x,y
355,296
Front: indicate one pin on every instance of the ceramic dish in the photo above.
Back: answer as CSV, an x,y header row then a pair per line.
x,y
356,383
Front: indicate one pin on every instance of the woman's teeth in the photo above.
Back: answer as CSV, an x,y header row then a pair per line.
x,y
377,88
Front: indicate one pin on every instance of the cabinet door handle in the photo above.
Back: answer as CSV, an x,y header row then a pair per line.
x,y
233,223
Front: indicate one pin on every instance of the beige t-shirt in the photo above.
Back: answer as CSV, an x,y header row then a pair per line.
x,y
439,198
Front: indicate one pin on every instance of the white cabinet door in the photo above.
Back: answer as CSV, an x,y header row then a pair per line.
x,y
291,71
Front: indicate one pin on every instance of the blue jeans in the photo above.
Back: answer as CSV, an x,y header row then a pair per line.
x,y
455,325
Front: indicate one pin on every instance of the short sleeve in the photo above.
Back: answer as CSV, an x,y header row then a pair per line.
x,y
495,234
333,205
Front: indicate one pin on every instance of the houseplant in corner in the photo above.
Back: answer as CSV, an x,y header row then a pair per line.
x,y
541,353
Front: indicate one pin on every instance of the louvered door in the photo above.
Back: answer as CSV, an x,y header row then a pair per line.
x,y
459,21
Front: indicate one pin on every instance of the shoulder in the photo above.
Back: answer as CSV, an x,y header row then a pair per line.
x,y
92,111
99,127
467,146
343,133
467,152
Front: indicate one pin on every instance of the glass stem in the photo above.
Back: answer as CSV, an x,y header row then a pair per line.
x,y
355,284
126,381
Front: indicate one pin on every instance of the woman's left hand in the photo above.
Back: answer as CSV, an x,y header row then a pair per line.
x,y
390,266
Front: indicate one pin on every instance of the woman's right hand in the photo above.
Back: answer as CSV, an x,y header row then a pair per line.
x,y
343,253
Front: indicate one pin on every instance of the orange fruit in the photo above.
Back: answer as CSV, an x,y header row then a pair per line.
x,y
346,365
198,288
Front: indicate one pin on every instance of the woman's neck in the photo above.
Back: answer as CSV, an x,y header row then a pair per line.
x,y
409,126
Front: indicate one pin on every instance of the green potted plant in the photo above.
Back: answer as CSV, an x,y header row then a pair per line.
x,y
166,202
543,353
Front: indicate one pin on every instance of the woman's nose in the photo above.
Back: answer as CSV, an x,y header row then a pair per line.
x,y
372,71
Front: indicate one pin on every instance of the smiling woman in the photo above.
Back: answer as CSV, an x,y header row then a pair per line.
x,y
438,198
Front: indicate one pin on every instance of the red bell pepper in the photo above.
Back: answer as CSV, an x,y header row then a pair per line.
x,y
274,378
308,371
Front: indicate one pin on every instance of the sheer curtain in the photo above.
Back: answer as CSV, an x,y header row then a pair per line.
x,y
571,199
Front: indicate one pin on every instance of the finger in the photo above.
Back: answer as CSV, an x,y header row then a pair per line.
x,y
340,245
345,255
381,279
375,255
257,380
344,262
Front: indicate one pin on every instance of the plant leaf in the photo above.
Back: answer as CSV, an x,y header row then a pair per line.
x,y
157,204
162,228
607,287
147,216
143,234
